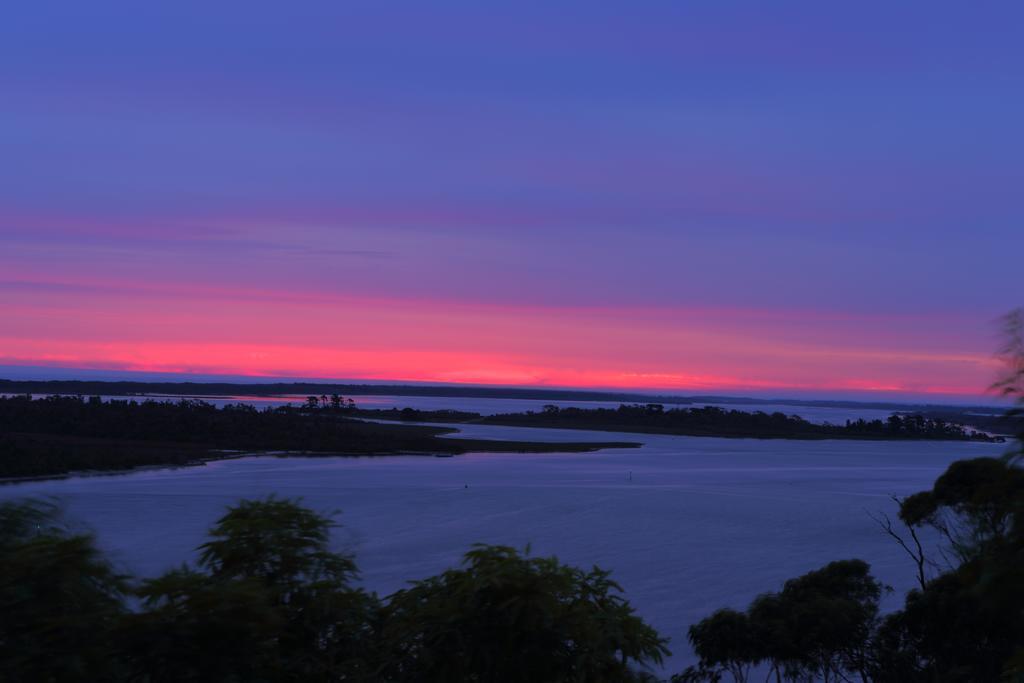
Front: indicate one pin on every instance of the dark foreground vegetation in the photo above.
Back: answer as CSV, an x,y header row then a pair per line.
x,y
60,434
964,623
269,601
653,418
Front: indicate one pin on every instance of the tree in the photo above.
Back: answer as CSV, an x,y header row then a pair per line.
x,y
973,504
508,617
60,600
269,601
913,548
819,626
727,640
947,632
1012,384
968,623
832,613
284,546
195,628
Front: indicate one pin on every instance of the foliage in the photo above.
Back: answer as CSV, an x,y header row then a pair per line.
x,y
968,623
728,640
277,541
195,628
267,581
269,601
973,504
507,617
59,599
1012,384
714,421
818,626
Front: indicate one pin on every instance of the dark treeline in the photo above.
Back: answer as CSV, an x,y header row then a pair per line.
x,y
706,421
284,389
712,421
269,601
994,422
417,415
199,389
58,434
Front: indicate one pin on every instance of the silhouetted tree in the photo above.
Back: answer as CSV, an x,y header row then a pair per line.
x,y
60,600
727,640
913,547
819,626
510,618
267,581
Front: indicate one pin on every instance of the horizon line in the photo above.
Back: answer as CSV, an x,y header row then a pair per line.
x,y
56,373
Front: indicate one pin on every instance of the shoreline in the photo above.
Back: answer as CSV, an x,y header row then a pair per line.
x,y
233,455
597,446
618,429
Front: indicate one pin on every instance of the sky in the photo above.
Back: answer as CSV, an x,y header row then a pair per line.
x,y
786,198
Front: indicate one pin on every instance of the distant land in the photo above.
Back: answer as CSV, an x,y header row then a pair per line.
x,y
987,418
58,435
710,421
303,388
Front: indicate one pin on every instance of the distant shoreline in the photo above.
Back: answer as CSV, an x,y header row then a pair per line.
x,y
58,435
202,462
281,389
709,422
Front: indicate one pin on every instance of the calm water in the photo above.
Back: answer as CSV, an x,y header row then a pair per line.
x,y
704,523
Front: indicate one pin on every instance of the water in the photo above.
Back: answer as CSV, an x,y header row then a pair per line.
x,y
704,523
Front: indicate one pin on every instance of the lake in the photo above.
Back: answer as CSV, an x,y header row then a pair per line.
x,y
702,523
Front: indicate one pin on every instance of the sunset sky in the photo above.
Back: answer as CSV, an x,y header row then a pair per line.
x,y
783,198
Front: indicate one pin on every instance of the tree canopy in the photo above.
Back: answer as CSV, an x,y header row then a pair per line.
x,y
268,600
